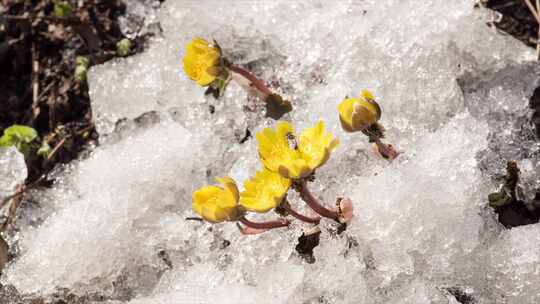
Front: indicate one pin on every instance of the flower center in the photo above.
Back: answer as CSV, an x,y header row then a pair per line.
x,y
291,141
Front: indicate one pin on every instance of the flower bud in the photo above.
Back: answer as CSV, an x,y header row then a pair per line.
x,y
357,114
199,61
218,204
345,209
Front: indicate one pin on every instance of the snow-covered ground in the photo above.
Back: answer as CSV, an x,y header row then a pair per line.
x,y
114,223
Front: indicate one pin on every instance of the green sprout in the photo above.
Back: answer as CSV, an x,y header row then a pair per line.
x,y
123,47
44,150
81,68
20,137
62,9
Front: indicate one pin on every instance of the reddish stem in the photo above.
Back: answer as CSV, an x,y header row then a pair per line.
x,y
265,225
307,219
314,204
250,231
387,151
259,84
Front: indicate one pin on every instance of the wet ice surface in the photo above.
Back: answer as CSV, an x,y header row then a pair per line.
x,y
12,170
502,96
115,222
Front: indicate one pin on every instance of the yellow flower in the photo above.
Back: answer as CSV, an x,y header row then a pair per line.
x,y
264,191
200,61
217,204
357,114
315,145
278,154
282,153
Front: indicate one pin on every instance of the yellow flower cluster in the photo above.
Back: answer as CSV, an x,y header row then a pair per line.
x,y
284,158
287,158
262,193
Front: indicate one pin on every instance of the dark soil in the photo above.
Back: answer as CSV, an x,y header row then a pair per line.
x,y
38,50
306,243
515,19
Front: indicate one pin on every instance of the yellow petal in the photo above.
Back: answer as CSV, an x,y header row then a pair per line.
x,y
216,204
264,191
367,94
276,153
198,46
345,110
315,145
230,186
284,128
202,202
357,114
199,59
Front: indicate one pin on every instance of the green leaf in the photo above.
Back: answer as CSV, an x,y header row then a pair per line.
x,y
44,150
499,199
19,137
5,142
123,47
24,148
20,133
80,73
223,82
62,9
82,61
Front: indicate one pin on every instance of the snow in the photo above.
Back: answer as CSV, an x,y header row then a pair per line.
x,y
115,222
13,171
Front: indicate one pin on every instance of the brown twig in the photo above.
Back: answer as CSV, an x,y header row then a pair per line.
x,y
193,218
63,20
35,82
533,11
56,148
504,5
15,202
538,35
21,190
63,140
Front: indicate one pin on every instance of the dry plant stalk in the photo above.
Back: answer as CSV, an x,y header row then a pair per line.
x,y
535,12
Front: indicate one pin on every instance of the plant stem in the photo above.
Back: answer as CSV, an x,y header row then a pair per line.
x,y
307,219
314,204
532,10
387,151
538,33
265,225
256,82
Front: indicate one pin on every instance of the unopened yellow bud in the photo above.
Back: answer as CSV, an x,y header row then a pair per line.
x,y
217,204
357,114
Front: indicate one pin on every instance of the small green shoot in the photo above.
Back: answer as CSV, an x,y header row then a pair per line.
x,y
62,9
123,47
19,137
